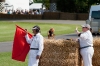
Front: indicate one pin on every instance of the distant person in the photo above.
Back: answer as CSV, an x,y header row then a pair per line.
x,y
22,12
51,33
30,11
36,12
14,12
19,12
41,11
8,11
5,12
26,12
11,11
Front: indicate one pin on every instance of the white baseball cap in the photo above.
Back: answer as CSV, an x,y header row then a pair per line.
x,y
86,25
36,27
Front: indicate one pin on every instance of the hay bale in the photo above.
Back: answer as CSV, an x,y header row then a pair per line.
x,y
96,56
66,53
96,42
60,53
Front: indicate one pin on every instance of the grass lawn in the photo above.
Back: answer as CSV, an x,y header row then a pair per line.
x,y
5,60
7,29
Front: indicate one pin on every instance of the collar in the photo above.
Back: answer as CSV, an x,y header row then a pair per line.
x,y
37,34
87,30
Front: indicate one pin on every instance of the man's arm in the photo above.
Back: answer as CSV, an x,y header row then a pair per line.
x,y
27,38
41,46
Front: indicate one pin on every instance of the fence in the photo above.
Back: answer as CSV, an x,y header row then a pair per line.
x,y
48,15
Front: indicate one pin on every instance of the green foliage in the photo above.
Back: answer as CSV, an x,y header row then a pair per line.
x,y
38,1
65,5
46,3
78,6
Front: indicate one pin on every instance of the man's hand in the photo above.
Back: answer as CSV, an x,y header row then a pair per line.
x,y
76,28
37,57
26,31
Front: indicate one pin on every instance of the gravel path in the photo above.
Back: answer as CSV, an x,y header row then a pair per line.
x,y
50,21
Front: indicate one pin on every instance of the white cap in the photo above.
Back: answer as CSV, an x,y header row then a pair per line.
x,y
34,28
86,25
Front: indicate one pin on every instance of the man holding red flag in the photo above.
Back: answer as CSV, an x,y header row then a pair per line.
x,y
36,46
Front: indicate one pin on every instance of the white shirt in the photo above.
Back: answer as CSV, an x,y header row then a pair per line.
x,y
36,42
86,39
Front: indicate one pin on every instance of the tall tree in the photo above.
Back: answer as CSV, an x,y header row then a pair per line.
x,y
65,5
38,1
79,6
46,3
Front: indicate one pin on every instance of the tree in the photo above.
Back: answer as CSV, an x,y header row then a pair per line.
x,y
46,3
79,6
38,1
65,5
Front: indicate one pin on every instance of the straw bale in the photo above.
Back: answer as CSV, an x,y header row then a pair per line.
x,y
66,53
59,53
96,42
96,56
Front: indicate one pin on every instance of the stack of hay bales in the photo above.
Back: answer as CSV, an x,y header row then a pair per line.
x,y
96,57
66,53
60,53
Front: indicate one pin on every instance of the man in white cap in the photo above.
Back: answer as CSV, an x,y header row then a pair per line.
x,y
86,44
36,46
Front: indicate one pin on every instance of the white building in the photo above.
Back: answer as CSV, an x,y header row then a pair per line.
x,y
16,4
36,6
21,5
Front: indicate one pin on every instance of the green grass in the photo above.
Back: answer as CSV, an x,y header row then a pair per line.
x,y
7,29
6,60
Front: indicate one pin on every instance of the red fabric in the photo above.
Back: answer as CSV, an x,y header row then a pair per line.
x,y
20,46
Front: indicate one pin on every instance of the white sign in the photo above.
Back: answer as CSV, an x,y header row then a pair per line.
x,y
18,4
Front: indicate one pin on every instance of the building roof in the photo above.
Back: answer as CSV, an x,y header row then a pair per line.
x,y
36,6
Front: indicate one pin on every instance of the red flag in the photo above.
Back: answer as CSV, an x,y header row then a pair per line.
x,y
20,46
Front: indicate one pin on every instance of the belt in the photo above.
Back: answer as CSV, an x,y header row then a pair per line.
x,y
34,48
86,47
